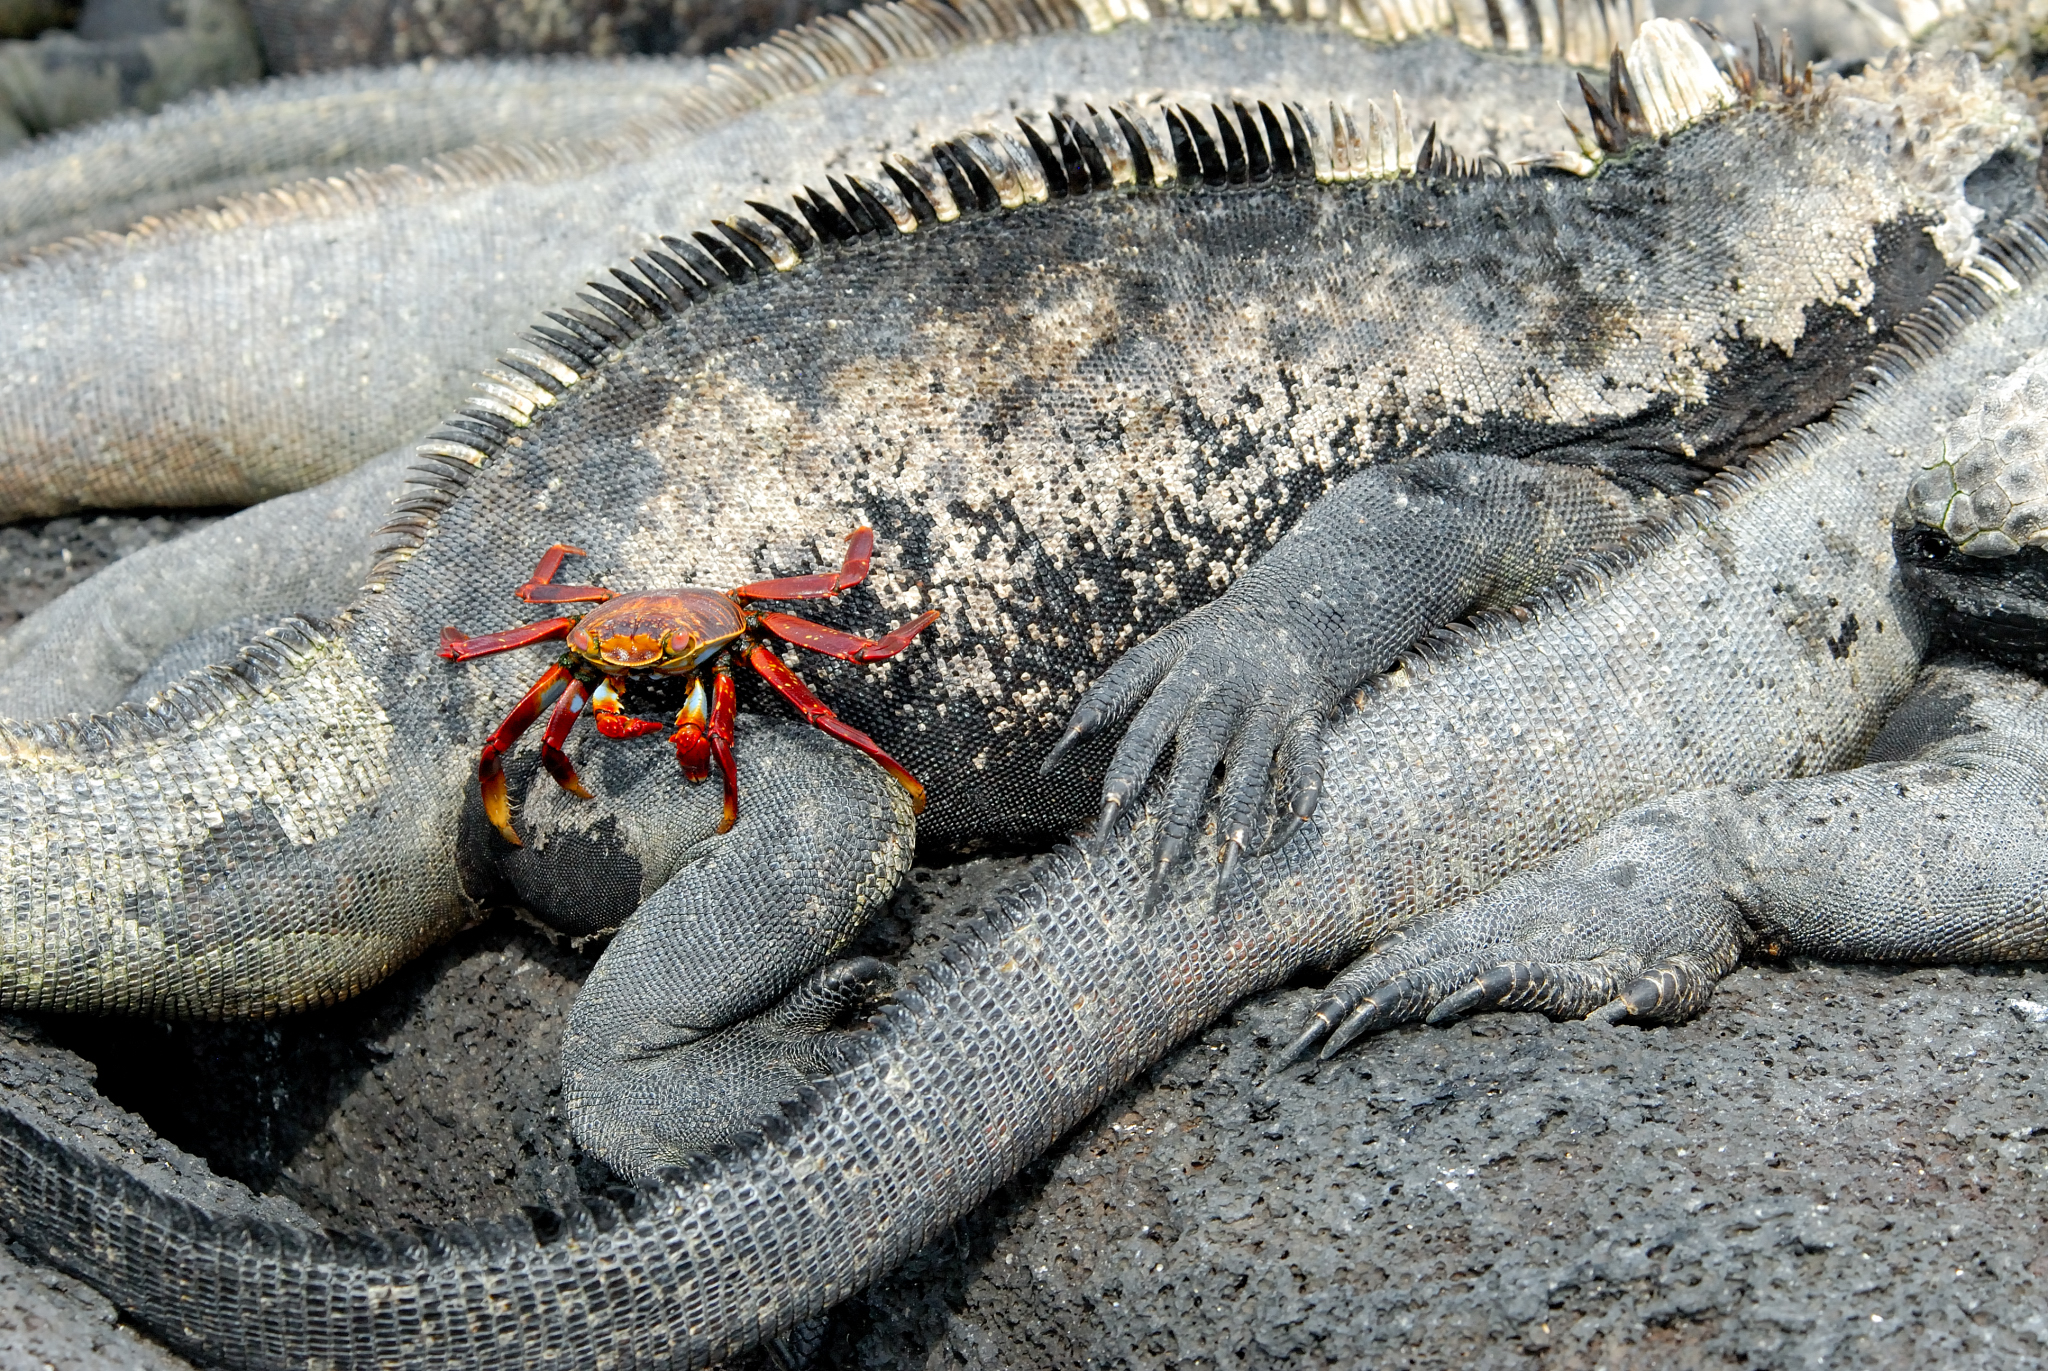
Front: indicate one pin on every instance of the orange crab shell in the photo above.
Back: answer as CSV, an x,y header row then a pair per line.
x,y
657,630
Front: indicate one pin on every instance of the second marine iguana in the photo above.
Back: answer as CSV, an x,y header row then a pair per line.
x,y
1069,422
1931,851
227,354
1706,649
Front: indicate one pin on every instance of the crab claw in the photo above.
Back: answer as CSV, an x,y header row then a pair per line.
x,y
608,712
693,744
704,735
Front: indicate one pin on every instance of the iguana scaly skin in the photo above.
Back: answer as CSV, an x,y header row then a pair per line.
x,y
1708,650
224,356
322,801
1932,851
112,174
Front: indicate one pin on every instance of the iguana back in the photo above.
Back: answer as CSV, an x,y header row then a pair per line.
x,y
231,354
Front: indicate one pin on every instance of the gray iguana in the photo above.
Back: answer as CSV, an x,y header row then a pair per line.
x,y
1929,852
1710,648
228,354
112,174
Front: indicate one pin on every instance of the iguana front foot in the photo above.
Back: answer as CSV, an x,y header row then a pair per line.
x,y
1249,681
1632,924
708,1009
1930,852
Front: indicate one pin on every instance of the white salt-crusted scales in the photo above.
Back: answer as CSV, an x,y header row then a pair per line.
x,y
1988,491
1957,113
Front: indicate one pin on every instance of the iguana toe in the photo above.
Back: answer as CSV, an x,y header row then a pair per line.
x,y
1634,923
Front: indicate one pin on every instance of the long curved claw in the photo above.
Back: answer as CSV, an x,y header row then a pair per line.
x,y
457,647
490,767
847,647
568,709
817,714
860,552
537,591
1085,723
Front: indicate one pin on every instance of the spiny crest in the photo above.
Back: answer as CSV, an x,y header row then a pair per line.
x,y
192,702
1071,154
1666,82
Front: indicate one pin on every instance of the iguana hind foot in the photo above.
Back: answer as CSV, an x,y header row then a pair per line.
x,y
1930,852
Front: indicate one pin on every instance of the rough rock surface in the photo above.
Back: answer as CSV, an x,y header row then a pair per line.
x,y
40,559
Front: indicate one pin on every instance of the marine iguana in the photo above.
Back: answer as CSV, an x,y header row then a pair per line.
x,y
83,654
1699,652
322,800
1932,851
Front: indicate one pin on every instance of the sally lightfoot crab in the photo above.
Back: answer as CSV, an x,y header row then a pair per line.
x,y
687,631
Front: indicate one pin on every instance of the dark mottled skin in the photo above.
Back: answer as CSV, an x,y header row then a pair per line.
x,y
1174,422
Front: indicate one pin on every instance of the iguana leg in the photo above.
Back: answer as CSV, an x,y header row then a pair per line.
x,y
1936,850
1385,557
732,925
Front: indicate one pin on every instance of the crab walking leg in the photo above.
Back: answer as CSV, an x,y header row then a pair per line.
x,y
568,709
490,769
456,647
816,713
608,712
537,591
860,551
724,708
847,647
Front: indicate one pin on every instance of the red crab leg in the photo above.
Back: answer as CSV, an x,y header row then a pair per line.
x,y
818,715
608,712
860,550
568,709
490,771
537,591
457,648
845,646
724,706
